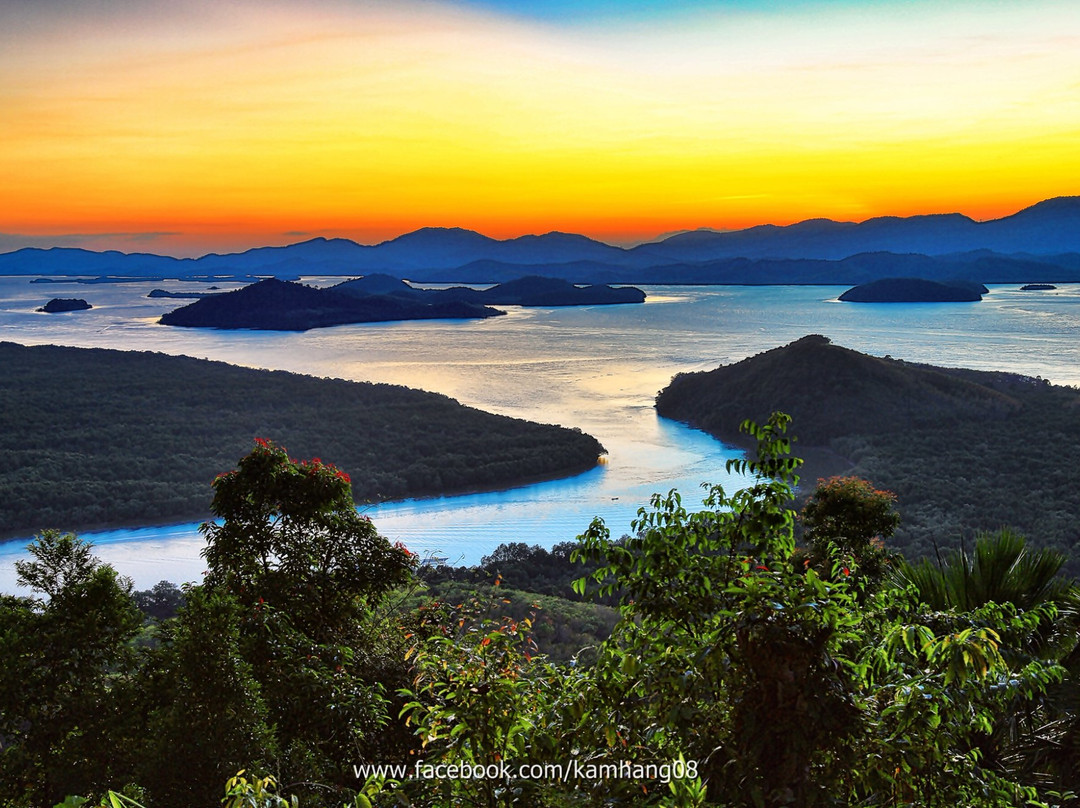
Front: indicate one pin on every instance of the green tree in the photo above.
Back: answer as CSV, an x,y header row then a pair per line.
x,y
846,522
790,687
63,659
1038,735
312,581
206,715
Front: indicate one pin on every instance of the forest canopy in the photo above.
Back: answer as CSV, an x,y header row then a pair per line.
x,y
963,450
96,437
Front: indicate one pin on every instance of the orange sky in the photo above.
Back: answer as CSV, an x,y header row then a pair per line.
x,y
188,126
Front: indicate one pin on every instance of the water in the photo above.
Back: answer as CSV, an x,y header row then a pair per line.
x,y
596,368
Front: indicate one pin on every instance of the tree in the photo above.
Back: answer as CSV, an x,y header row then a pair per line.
x,y
63,660
61,561
731,650
791,687
207,719
1039,735
311,578
290,535
846,522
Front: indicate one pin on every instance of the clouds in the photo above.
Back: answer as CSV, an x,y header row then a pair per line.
x,y
371,118
125,242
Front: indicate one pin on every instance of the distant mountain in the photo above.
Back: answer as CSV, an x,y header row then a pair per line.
x,y
1049,227
1039,243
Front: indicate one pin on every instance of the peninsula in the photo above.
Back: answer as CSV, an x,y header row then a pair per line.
x,y
963,449
98,438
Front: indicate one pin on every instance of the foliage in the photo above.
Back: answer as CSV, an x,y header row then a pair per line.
x,y
772,677
562,629
206,714
1000,569
846,522
62,659
792,688
309,577
161,601
146,434
964,451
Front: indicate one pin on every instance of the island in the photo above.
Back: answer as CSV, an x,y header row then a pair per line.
x,y
1037,287
274,305
535,290
59,304
531,290
162,293
914,290
284,306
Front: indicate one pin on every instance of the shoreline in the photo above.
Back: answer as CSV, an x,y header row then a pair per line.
x,y
199,519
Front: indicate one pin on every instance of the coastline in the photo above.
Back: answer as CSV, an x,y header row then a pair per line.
x,y
198,518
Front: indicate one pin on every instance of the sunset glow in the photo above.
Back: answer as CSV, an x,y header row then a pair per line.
x,y
190,126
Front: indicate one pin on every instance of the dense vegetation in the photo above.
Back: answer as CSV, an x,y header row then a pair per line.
x,y
742,670
98,437
963,450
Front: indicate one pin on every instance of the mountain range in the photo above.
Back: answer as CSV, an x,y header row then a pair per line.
x,y
1038,243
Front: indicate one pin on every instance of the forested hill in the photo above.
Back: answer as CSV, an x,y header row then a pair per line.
x,y
963,450
829,391
95,437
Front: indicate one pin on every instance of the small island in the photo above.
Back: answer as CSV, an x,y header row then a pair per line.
x,y
914,290
532,290
535,290
284,306
59,304
1038,287
158,293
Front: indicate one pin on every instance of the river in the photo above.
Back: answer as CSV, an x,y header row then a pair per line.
x,y
596,368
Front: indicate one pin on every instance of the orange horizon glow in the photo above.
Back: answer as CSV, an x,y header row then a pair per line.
x,y
193,127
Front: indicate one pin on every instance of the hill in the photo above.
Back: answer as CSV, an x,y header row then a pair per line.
x,y
829,391
963,450
95,437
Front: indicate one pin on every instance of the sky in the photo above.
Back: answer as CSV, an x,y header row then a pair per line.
x,y
188,126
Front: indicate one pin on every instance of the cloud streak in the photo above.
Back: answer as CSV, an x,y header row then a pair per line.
x,y
238,121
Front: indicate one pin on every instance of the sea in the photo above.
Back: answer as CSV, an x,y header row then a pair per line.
x,y
596,368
